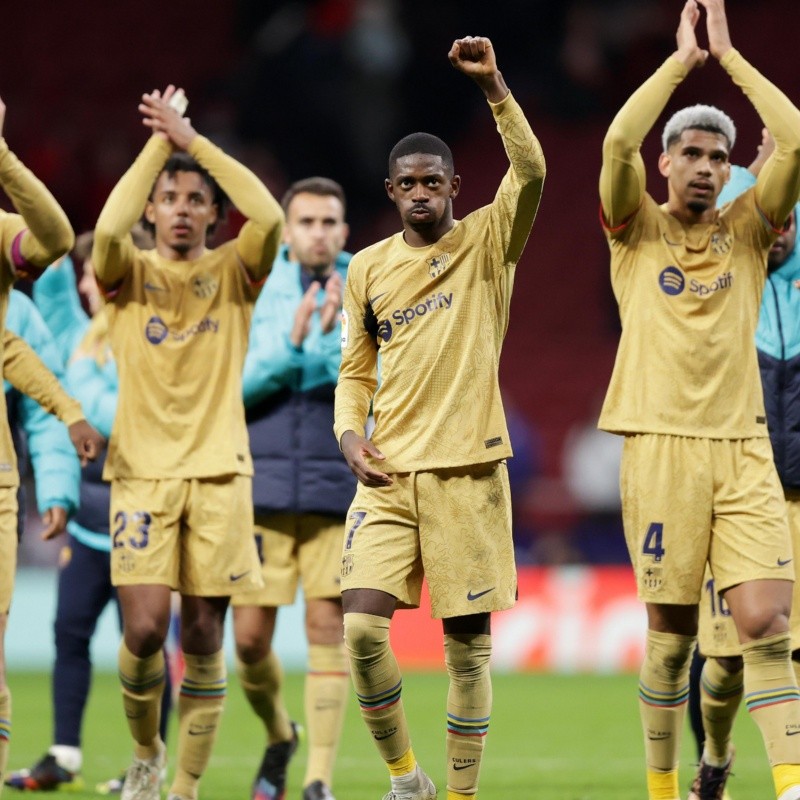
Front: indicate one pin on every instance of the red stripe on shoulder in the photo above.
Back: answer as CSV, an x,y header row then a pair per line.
x,y
616,228
22,267
255,283
768,222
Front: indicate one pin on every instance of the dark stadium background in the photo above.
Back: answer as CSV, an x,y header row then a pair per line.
x,y
326,87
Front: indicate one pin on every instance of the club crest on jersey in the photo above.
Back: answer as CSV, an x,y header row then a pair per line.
x,y
671,281
204,286
721,243
438,264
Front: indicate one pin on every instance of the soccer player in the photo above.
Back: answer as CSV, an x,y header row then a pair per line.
x,y
30,239
718,690
433,496
697,479
84,576
178,459
302,485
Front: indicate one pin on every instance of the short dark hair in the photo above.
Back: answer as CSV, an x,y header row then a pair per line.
x,y
183,162
425,143
324,187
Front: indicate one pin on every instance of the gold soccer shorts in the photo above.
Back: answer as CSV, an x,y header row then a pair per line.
x,y
193,535
294,547
717,635
452,525
8,545
686,501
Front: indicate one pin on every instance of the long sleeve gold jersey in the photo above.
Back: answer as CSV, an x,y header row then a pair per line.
x,y
689,295
27,373
29,240
179,329
441,313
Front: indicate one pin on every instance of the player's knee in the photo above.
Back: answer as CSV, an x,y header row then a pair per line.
x,y
757,623
144,636
201,635
325,629
731,664
251,648
366,636
467,657
669,653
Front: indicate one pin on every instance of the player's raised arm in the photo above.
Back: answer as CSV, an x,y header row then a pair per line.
x,y
778,182
25,371
518,197
260,237
113,247
48,235
622,177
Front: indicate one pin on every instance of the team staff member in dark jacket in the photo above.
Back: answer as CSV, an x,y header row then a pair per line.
x,y
302,485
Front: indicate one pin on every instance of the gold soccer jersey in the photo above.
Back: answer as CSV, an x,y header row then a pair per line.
x,y
442,313
179,336
179,329
49,237
689,300
689,295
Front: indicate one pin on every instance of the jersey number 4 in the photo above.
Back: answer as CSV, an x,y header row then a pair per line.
x,y
654,541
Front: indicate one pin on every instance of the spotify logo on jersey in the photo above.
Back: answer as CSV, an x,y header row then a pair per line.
x,y
671,281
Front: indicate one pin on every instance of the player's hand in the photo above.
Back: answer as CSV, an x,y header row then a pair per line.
x,y
2,116
357,450
163,119
55,521
689,52
302,317
719,37
88,443
474,56
332,304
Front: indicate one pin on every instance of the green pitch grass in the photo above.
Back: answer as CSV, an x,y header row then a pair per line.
x,y
551,738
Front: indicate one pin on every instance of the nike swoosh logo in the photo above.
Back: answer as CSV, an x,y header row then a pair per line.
x,y
151,287
377,297
792,733
659,738
386,736
782,563
471,596
241,575
459,767
200,733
